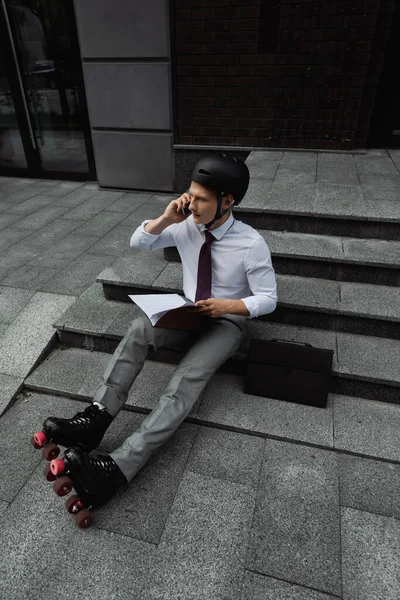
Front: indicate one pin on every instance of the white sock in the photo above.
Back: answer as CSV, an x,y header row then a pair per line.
x,y
101,407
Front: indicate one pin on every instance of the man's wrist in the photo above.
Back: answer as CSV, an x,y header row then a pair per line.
x,y
237,307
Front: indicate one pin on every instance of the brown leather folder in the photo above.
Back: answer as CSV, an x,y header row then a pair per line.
x,y
182,318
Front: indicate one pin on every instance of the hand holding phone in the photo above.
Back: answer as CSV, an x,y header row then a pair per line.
x,y
178,210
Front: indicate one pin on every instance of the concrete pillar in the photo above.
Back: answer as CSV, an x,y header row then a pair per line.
x,y
126,56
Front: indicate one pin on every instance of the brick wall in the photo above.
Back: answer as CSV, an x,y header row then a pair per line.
x,y
269,73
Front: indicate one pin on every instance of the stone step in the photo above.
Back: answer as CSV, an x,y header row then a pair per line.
x,y
329,257
364,366
323,194
334,305
347,423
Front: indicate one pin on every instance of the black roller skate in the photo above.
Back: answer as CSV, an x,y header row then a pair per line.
x,y
94,478
86,430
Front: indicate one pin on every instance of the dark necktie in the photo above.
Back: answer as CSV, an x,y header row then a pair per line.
x,y
204,270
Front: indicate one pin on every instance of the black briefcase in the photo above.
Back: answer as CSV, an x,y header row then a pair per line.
x,y
291,371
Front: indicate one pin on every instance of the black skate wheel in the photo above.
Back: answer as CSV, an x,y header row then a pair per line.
x,y
73,505
84,519
48,474
50,452
63,486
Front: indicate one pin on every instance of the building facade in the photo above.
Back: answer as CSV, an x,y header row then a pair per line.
x,y
130,93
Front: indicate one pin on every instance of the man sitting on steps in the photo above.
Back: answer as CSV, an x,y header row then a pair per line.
x,y
227,272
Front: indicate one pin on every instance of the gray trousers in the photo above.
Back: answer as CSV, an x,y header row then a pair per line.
x,y
208,350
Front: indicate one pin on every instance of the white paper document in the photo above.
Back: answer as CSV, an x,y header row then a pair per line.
x,y
156,305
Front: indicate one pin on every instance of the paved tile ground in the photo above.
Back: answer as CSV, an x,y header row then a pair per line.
x,y
216,514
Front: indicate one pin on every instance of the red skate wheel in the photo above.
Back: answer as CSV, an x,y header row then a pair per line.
x,y
48,474
38,440
50,451
74,505
63,486
84,519
57,466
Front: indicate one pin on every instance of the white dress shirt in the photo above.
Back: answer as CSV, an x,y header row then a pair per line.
x,y
241,261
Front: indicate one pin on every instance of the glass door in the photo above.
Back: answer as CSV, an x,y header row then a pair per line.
x,y
43,116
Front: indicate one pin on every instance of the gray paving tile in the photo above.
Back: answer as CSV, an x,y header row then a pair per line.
x,y
369,358
101,224
201,553
260,587
115,243
379,252
5,206
73,199
359,423
292,196
78,275
336,168
374,165
7,219
225,403
372,301
26,192
12,258
29,277
387,210
141,267
369,485
11,184
48,236
159,200
9,387
395,156
68,371
143,509
371,555
171,278
63,188
90,312
10,236
263,155
121,322
129,202
64,252
299,161
377,189
296,526
26,338
76,559
304,245
294,176
257,196
3,327
89,208
140,214
12,301
307,292
227,455
339,201
263,168
41,217
30,206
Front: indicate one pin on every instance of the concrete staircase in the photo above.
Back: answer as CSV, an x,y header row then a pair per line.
x,y
337,260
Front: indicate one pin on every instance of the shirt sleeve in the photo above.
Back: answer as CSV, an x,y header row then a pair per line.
x,y
261,277
141,240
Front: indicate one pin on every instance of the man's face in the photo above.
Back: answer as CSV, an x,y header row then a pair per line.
x,y
203,203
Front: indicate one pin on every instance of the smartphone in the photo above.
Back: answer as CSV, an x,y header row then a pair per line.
x,y
186,211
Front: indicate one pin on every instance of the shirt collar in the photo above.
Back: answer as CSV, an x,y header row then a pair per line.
x,y
220,231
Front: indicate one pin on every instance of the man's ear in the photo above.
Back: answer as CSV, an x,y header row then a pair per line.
x,y
229,200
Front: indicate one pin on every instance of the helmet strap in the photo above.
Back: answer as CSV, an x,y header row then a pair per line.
x,y
219,214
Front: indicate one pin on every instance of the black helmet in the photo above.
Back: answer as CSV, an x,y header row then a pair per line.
x,y
225,175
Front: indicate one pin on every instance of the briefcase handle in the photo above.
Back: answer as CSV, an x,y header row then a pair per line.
x,y
292,342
